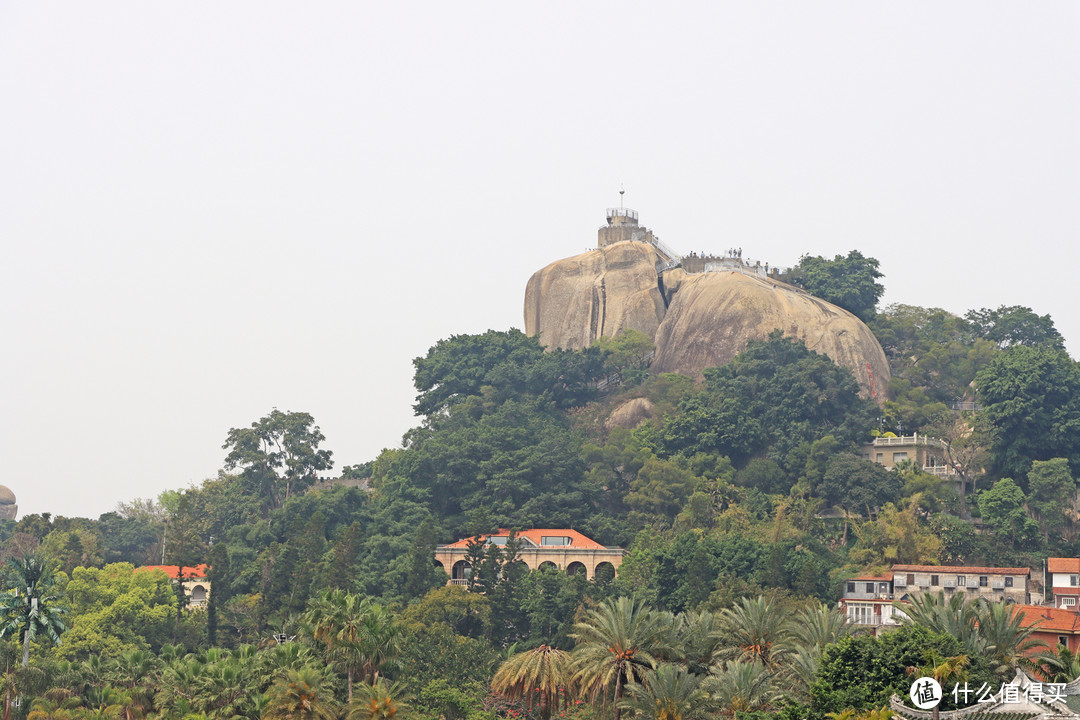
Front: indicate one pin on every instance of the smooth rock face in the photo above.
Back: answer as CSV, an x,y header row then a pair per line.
x,y
711,316
8,508
699,321
572,302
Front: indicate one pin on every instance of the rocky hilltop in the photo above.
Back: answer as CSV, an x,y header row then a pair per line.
x,y
697,320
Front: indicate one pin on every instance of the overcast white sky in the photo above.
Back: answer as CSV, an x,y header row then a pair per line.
x,y
211,209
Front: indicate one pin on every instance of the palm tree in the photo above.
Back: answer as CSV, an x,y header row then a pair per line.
x,y
378,701
845,714
302,694
359,635
818,625
617,642
756,630
944,669
812,629
698,638
1062,666
954,616
31,607
379,642
1004,638
741,687
668,693
540,676
105,701
225,685
49,709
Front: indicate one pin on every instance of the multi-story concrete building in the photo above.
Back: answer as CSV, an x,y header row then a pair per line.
x,y
1065,582
927,453
567,550
868,600
994,584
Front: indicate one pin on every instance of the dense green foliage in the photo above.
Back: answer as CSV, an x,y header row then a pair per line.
x,y
849,281
743,502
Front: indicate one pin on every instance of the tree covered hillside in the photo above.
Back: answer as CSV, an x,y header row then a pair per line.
x,y
743,502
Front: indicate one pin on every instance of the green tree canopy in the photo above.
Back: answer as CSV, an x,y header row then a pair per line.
x,y
1003,511
849,281
511,363
279,455
1032,397
772,396
1015,325
115,609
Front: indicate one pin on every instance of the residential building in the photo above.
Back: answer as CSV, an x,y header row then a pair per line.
x,y
568,550
928,453
1065,582
994,584
194,579
868,600
1054,626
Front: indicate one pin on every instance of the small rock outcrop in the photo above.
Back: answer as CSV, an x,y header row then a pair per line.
x,y
697,320
630,414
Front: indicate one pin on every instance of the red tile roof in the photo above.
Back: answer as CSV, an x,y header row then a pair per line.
x,y
1063,565
190,573
1049,619
577,540
960,569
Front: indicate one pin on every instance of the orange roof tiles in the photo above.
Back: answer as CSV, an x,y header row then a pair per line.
x,y
577,540
1048,618
199,571
1063,565
960,569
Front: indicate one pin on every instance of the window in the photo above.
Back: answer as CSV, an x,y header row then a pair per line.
x,y
881,458
870,588
851,587
1063,640
860,614
1008,582
934,580
883,587
961,580
1068,602
497,540
1074,580
983,582
911,579
899,457
554,540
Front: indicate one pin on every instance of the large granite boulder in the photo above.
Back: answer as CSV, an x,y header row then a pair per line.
x,y
711,316
8,508
696,320
572,302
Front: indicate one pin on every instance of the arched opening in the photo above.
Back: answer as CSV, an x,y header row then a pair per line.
x,y
439,565
460,573
198,595
547,565
604,573
575,567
